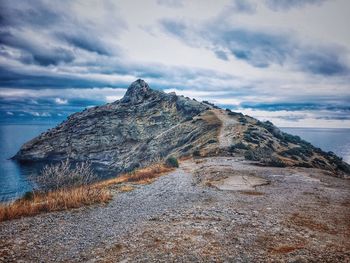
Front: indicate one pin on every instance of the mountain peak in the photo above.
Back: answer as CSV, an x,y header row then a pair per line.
x,y
137,92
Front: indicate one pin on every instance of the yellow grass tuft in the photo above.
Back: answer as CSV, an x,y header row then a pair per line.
x,y
141,176
63,199
54,201
126,188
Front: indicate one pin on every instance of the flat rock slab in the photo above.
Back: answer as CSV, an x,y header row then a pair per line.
x,y
240,183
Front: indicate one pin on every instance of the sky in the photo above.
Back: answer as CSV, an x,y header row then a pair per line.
x,y
287,61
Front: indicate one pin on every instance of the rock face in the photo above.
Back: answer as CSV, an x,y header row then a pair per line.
x,y
148,125
143,126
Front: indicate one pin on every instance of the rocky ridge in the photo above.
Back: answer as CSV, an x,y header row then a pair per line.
x,y
144,126
147,125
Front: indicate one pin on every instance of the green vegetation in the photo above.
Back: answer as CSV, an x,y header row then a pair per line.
x,y
242,120
249,155
237,146
211,104
231,113
196,153
253,135
300,151
29,195
250,137
276,162
259,154
171,162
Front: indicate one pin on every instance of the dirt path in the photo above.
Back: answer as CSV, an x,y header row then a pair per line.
x,y
227,129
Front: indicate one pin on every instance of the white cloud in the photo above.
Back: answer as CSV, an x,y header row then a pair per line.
x,y
61,101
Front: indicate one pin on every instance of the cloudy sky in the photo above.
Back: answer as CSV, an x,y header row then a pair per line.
x,y
283,60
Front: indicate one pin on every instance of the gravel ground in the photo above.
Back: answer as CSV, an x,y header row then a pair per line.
x,y
65,236
302,215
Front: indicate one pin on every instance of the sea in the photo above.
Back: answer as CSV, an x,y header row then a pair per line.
x,y
15,177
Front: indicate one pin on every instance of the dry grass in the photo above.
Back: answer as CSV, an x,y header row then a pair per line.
x,y
140,176
126,188
54,201
284,249
63,199
211,118
254,193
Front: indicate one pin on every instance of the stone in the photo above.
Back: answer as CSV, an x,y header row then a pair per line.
x,y
144,126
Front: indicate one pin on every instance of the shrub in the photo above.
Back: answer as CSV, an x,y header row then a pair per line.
x,y
249,137
252,128
270,144
64,175
297,151
234,113
187,148
29,195
61,187
249,155
196,153
171,162
304,164
242,120
276,162
259,154
212,141
239,145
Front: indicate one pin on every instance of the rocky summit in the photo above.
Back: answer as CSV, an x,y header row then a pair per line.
x,y
147,125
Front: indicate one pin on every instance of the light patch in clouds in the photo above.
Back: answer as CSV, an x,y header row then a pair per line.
x,y
112,98
298,118
65,94
61,101
38,114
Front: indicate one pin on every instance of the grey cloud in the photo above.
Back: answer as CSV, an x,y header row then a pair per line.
x,y
47,34
221,55
84,41
21,13
242,6
32,52
322,61
260,49
278,5
171,3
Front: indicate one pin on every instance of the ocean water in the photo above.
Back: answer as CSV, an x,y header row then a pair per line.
x,y
14,177
335,140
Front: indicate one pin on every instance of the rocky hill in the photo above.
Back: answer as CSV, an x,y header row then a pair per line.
x,y
147,125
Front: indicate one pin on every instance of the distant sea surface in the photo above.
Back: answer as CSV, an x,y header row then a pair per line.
x,y
335,140
14,180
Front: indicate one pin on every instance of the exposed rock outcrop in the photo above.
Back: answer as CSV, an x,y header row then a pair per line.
x,y
143,126
146,125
